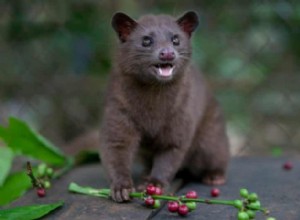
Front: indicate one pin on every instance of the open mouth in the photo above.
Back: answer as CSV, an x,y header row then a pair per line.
x,y
164,69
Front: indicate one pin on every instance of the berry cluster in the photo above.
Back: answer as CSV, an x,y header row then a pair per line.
x,y
42,181
183,208
152,195
149,200
248,205
44,175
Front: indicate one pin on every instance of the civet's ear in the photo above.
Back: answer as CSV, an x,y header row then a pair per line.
x,y
123,25
188,22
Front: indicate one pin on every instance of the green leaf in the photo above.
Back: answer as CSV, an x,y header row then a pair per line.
x,y
15,186
25,140
28,212
6,157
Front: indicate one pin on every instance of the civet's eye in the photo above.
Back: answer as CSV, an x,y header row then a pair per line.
x,y
175,40
147,41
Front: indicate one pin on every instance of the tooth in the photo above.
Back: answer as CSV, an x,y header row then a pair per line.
x,y
171,70
160,71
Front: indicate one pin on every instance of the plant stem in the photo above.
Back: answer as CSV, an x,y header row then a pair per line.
x,y
163,197
35,182
209,201
175,198
106,192
138,195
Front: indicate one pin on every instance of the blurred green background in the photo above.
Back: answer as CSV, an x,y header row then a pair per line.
x,y
55,57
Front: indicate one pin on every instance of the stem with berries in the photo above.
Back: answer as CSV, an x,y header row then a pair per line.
x,y
182,205
44,174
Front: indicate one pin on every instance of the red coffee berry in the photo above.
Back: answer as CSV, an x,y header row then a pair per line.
x,y
215,192
183,210
41,192
288,165
151,189
149,201
158,191
173,206
191,195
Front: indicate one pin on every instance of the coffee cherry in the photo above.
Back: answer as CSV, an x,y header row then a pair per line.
x,y
173,206
251,214
149,201
238,204
41,192
156,204
243,216
244,193
254,205
47,184
49,172
151,189
287,165
215,192
191,195
183,210
158,191
253,197
191,205
41,170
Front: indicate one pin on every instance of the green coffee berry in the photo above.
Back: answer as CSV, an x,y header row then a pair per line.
x,y
47,184
251,214
49,172
254,205
238,204
191,205
156,204
244,193
41,170
243,216
253,197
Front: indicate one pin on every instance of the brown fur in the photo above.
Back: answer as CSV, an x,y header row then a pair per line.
x,y
175,124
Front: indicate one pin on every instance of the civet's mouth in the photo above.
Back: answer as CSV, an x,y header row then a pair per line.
x,y
164,69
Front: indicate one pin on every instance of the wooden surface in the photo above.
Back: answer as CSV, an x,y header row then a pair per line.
x,y
279,190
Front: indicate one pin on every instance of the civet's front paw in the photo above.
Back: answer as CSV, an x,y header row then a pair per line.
x,y
121,190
